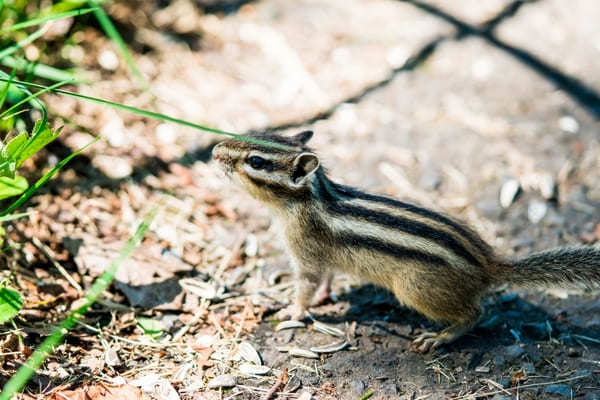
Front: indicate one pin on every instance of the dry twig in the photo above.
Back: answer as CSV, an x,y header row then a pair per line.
x,y
283,378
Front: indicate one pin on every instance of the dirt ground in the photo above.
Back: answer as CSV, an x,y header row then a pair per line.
x,y
449,104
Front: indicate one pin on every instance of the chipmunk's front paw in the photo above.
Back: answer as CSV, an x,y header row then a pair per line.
x,y
293,312
425,342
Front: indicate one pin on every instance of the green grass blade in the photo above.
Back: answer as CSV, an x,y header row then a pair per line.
x,y
34,188
18,381
32,96
4,92
11,49
18,91
154,115
64,6
13,216
41,70
113,34
44,19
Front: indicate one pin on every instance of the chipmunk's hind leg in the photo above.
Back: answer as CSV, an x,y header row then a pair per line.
x,y
432,340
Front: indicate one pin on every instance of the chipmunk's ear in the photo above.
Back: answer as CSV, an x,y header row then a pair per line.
x,y
305,164
303,137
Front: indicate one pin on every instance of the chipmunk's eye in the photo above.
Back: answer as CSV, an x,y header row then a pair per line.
x,y
257,162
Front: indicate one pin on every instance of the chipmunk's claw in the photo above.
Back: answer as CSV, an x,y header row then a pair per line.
x,y
425,342
293,312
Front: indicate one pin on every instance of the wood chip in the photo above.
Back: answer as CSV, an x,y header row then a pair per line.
x,y
291,324
249,353
253,369
200,288
220,381
331,347
329,330
297,352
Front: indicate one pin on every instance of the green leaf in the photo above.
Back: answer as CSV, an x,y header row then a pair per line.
x,y
10,187
150,326
40,182
10,304
37,142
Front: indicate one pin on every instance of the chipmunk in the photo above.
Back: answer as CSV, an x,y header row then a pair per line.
x,y
431,262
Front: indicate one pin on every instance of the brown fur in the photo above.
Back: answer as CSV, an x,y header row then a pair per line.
x,y
431,262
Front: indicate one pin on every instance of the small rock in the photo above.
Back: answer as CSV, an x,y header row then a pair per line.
x,y
568,124
547,186
220,381
513,351
251,246
166,133
529,368
536,211
108,60
113,167
573,352
509,192
499,396
560,390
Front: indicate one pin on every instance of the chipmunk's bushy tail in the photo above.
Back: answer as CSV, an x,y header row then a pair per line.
x,y
565,266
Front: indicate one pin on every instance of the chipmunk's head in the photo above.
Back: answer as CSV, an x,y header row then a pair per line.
x,y
272,168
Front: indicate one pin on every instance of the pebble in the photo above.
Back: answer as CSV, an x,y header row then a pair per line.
x,y
560,390
573,352
513,351
547,186
113,167
108,60
251,246
536,211
508,192
499,396
166,133
221,381
568,124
